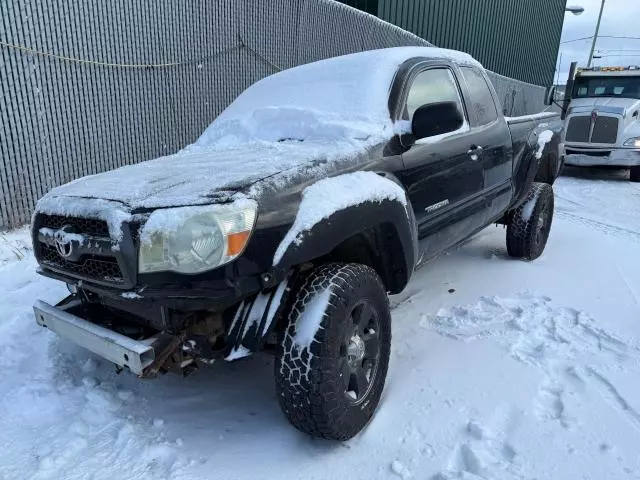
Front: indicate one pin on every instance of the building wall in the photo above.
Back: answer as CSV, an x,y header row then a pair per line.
x,y
515,38
369,6
106,84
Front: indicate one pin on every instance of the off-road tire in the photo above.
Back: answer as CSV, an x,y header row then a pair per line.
x,y
529,224
634,173
310,381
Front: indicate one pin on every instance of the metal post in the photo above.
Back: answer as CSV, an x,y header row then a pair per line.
x,y
568,89
595,36
559,67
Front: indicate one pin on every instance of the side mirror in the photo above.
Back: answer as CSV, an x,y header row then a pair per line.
x,y
436,119
550,95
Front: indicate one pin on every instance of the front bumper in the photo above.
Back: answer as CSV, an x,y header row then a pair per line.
x,y
592,157
138,356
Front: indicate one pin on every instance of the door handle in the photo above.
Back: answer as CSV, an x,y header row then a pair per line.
x,y
475,152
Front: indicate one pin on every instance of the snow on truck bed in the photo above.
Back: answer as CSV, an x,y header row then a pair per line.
x,y
312,114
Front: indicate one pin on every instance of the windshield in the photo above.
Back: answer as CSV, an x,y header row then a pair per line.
x,y
623,87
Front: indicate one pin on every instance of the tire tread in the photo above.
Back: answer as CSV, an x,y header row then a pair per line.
x,y
306,385
521,230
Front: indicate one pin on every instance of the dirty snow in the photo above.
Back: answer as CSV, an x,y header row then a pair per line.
x,y
330,195
525,370
544,137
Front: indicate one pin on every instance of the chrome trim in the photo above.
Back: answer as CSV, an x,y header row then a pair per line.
x,y
597,108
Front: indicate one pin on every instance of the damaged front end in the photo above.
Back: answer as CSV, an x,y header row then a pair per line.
x,y
194,338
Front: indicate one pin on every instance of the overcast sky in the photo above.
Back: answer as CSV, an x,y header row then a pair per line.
x,y
620,18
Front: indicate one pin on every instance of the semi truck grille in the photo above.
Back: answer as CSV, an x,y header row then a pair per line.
x,y
578,129
605,130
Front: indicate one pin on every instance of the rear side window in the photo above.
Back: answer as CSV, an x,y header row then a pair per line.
x,y
482,108
431,86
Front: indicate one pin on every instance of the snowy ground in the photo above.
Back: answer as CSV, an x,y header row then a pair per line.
x,y
501,369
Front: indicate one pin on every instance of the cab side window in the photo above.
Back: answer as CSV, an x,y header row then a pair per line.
x,y
482,108
431,86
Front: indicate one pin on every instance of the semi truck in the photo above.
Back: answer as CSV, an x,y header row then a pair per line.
x,y
602,124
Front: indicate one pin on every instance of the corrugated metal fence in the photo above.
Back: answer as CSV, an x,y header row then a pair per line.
x,y
518,38
99,84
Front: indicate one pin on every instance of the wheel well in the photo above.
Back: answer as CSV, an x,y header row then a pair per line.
x,y
378,247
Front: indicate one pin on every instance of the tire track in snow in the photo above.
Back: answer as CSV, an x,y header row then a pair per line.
x,y
604,227
611,393
630,288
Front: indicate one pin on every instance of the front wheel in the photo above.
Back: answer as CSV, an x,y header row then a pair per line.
x,y
333,356
634,173
529,225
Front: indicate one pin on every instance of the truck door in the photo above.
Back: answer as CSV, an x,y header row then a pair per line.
x,y
492,135
443,175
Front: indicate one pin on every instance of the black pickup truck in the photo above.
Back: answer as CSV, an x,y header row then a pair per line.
x,y
284,227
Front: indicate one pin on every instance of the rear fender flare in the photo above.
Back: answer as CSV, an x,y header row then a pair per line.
x,y
527,169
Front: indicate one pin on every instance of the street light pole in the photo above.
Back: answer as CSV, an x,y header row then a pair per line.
x,y
595,36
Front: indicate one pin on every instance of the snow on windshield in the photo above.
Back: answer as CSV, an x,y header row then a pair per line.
x,y
344,97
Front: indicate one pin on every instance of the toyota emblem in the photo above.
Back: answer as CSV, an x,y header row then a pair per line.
x,y
64,246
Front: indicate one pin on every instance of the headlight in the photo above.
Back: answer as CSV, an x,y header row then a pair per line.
x,y
633,142
195,239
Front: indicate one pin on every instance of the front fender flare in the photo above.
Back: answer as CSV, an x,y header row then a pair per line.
x,y
395,240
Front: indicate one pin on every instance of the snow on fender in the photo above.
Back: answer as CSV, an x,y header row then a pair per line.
x,y
543,138
330,195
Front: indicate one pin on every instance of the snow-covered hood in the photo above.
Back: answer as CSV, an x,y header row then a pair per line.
x,y
620,106
198,176
231,155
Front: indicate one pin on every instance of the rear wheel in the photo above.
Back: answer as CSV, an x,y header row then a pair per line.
x,y
529,225
332,359
634,173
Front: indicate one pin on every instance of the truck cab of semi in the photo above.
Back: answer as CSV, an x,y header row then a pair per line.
x,y
602,120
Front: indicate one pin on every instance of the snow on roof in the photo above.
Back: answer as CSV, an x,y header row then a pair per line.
x,y
315,113
349,89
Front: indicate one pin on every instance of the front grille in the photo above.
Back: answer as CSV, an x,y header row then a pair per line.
x,y
605,130
99,268
95,262
578,129
86,226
